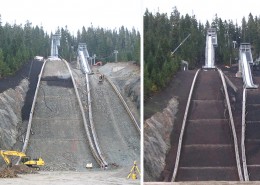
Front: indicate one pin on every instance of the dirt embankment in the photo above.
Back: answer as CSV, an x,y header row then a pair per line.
x,y
11,172
163,128
126,76
11,103
16,94
157,130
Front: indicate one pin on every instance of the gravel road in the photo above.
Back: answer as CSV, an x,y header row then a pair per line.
x,y
100,177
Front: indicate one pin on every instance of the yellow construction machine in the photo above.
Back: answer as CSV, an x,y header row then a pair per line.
x,y
35,163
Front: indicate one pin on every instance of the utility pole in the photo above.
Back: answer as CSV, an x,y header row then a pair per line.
x,y
90,60
71,51
94,56
234,43
115,52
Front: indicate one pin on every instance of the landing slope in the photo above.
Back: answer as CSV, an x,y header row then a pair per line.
x,y
58,132
118,137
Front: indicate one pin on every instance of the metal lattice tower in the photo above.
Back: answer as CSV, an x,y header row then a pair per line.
x,y
55,42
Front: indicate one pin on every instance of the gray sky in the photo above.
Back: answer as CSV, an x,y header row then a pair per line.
x,y
73,13
206,9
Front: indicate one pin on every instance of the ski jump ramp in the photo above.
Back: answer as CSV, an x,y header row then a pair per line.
x,y
83,57
245,59
211,42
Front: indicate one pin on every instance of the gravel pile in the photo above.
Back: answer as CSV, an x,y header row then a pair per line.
x,y
11,172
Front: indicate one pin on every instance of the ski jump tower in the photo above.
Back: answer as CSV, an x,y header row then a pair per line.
x,y
211,42
83,57
245,63
55,42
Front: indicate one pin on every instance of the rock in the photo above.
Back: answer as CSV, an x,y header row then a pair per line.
x,y
11,103
126,76
157,130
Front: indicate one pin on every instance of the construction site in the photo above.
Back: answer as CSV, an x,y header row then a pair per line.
x,y
210,124
72,122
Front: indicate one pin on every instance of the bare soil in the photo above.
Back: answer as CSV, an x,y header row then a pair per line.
x,y
90,177
12,172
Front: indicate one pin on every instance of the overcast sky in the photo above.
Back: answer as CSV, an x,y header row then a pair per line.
x,y
206,9
115,13
73,13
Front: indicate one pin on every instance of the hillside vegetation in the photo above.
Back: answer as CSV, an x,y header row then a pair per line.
x,y
163,33
20,43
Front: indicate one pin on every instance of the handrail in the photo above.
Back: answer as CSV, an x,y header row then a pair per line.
x,y
94,145
183,128
232,125
243,135
27,137
93,130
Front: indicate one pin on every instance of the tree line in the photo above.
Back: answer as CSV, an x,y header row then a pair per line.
x,y
20,43
102,42
163,33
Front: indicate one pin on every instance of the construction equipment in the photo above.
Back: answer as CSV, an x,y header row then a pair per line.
x,y
89,166
134,171
35,163
101,78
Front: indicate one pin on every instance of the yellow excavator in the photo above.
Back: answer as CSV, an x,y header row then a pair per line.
x,y
35,163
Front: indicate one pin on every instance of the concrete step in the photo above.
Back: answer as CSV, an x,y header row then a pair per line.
x,y
253,130
252,152
253,112
208,86
254,172
207,131
208,174
208,109
253,96
207,156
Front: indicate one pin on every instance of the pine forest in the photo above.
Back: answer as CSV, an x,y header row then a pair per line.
x,y
20,43
163,33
